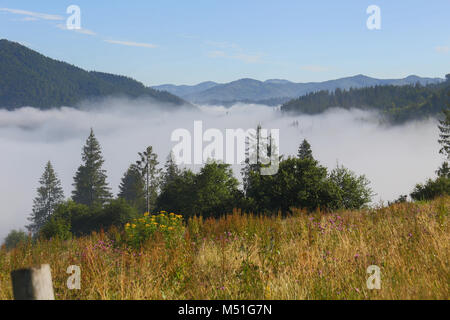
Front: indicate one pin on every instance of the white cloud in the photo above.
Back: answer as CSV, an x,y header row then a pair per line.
x,y
314,68
82,30
29,19
35,15
442,49
132,44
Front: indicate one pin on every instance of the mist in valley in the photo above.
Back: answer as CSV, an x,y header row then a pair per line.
x,y
394,158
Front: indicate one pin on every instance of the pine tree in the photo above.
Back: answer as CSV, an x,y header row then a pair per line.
x,y
90,184
147,166
171,170
444,128
49,195
132,188
304,151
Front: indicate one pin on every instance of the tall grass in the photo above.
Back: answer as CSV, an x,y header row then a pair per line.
x,y
243,256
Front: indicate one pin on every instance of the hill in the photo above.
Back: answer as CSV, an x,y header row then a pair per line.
x,y
28,78
396,103
278,91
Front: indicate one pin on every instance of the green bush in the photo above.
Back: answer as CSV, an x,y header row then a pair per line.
x,y
14,238
56,228
141,229
432,189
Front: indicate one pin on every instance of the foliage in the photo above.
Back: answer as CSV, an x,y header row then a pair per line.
x,y
211,192
304,151
90,184
56,228
132,188
49,195
141,229
14,238
432,189
216,190
31,79
397,103
444,128
353,192
79,219
147,166
444,170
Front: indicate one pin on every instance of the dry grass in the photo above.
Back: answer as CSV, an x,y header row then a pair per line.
x,y
317,256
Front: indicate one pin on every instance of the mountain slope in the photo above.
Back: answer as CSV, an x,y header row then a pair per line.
x,y
28,78
397,103
184,90
279,91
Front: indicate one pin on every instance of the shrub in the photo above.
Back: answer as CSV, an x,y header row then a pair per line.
x,y
139,230
57,228
115,213
432,189
14,238
353,192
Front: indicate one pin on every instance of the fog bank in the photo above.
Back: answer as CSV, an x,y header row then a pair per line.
x,y
394,158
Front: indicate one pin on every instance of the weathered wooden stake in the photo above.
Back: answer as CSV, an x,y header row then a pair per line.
x,y
33,284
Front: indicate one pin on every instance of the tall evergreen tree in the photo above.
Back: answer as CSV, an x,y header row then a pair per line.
x,y
304,151
171,170
148,167
132,188
49,195
90,183
444,136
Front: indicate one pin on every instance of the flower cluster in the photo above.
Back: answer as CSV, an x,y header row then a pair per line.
x,y
333,222
141,229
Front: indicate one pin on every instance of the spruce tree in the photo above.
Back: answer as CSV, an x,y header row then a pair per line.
x,y
147,166
171,170
49,195
304,151
444,136
132,188
90,184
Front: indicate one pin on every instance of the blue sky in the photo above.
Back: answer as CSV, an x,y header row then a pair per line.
x,y
186,42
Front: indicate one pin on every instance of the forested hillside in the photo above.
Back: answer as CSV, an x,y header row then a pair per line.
x,y
396,103
28,78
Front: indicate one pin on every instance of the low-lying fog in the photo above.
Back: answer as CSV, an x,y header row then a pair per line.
x,y
394,158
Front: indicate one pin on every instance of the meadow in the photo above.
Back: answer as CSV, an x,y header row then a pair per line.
x,y
315,255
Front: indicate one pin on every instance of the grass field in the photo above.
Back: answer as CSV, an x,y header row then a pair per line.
x,y
315,256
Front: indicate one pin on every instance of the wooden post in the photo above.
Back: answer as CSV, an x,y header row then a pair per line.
x,y
33,284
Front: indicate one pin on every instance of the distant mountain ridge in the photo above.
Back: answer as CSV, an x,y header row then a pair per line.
x,y
277,91
28,78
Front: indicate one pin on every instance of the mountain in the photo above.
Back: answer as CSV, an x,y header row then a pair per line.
x,y
27,78
278,91
184,90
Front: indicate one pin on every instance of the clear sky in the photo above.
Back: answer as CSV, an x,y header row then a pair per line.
x,y
186,42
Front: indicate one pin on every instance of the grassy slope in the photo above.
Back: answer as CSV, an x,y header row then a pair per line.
x,y
320,256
